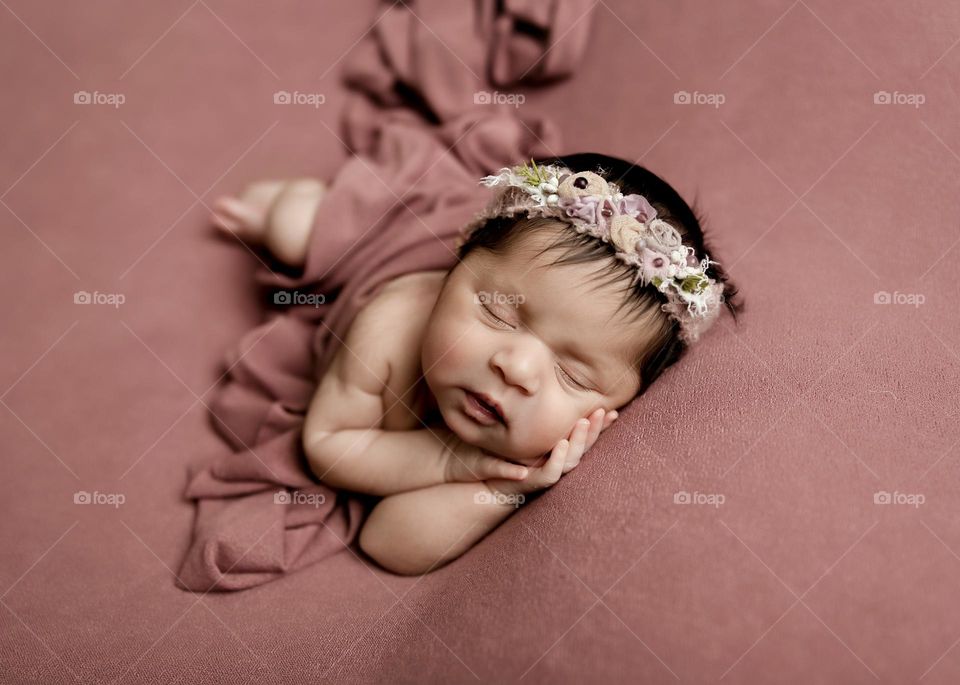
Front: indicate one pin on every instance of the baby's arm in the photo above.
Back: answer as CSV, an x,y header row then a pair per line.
x,y
344,445
414,532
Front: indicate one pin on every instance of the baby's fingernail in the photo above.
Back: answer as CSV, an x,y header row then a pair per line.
x,y
521,473
614,414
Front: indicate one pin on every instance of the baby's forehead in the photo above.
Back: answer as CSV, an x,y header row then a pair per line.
x,y
553,272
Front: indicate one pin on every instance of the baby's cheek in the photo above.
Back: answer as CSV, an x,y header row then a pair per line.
x,y
442,348
542,432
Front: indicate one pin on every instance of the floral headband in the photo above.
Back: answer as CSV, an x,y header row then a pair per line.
x,y
592,205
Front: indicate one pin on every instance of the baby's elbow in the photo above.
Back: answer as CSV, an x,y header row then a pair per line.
x,y
312,448
386,552
393,553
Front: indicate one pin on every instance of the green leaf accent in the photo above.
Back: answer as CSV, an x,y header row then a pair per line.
x,y
694,284
532,176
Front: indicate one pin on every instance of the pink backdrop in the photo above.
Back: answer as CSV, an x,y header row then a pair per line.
x,y
819,196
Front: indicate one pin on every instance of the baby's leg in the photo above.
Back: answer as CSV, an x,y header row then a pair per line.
x,y
277,214
291,219
245,216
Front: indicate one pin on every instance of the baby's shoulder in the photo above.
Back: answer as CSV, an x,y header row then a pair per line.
x,y
378,362
420,282
391,324
400,304
392,327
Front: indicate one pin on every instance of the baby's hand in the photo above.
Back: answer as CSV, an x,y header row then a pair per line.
x,y
598,422
564,458
465,463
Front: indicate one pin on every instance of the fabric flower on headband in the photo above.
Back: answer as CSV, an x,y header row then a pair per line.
x,y
590,204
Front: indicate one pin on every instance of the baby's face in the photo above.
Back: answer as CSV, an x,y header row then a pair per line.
x,y
542,342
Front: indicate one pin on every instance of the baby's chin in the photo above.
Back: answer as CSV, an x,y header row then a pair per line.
x,y
509,451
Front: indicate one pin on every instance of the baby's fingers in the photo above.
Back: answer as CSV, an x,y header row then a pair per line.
x,y
577,445
609,418
600,420
596,425
492,467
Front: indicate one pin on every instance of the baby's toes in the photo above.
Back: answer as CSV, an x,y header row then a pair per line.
x,y
239,218
224,222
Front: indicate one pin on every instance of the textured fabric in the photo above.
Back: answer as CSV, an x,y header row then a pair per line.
x,y
818,401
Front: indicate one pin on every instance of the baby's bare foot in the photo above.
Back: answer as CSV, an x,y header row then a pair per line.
x,y
247,216
290,220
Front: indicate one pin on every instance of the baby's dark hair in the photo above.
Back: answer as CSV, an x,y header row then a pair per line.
x,y
665,347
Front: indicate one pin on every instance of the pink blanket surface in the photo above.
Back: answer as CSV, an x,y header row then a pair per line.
x,y
419,145
821,419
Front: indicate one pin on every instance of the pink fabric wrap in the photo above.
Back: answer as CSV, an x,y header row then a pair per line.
x,y
395,207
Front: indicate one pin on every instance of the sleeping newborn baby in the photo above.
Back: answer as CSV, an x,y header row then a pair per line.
x,y
456,394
